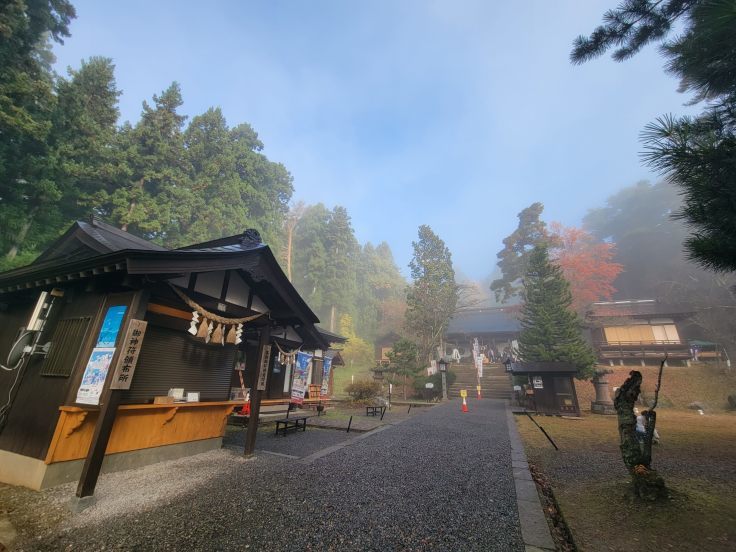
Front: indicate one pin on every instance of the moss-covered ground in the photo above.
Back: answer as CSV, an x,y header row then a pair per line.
x,y
696,456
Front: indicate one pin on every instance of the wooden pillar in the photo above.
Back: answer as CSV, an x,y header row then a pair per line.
x,y
255,394
110,400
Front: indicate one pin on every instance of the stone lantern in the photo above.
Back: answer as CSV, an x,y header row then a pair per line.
x,y
602,403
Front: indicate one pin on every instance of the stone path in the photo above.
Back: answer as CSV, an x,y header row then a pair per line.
x,y
441,480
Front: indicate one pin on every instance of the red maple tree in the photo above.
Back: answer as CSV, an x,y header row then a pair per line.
x,y
586,263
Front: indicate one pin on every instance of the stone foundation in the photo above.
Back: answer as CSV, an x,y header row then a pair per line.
x,y
602,408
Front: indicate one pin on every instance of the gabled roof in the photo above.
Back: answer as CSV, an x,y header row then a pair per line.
x,y
89,239
485,321
336,357
88,249
632,308
331,337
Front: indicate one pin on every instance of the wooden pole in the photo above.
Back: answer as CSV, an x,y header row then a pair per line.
x,y
255,395
110,401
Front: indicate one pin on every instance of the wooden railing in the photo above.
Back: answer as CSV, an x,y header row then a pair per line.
x,y
643,349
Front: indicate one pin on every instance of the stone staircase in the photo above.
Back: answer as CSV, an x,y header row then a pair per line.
x,y
495,383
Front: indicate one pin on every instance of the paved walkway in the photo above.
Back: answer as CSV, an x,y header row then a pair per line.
x,y
441,480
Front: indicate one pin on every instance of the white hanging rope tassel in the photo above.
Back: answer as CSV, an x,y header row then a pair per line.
x,y
193,326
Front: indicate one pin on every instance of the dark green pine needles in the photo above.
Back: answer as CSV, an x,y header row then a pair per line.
x,y
551,330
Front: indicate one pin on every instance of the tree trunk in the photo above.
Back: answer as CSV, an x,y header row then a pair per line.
x,y
131,207
646,483
289,237
21,236
332,318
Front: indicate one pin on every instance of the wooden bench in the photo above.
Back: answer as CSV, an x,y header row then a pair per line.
x,y
294,422
374,410
268,412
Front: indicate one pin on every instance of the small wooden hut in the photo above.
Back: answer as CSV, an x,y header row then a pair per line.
x,y
550,388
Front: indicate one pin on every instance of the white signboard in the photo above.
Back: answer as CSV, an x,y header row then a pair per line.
x,y
128,359
94,376
537,382
263,371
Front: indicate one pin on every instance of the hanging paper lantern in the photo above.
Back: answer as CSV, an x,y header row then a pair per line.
x,y
193,326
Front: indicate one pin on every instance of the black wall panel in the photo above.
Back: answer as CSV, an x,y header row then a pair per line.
x,y
171,358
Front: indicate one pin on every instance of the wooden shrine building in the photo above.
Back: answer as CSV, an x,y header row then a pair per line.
x,y
495,328
108,333
637,331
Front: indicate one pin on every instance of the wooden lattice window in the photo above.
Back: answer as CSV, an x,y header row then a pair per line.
x,y
66,345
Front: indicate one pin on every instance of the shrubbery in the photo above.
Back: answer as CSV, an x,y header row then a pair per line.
x,y
363,390
421,391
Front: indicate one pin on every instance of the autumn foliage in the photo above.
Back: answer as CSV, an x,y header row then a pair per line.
x,y
586,263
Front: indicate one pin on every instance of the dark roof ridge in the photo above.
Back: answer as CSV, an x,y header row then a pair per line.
x,y
96,224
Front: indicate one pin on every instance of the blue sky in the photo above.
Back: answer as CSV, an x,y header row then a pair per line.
x,y
456,114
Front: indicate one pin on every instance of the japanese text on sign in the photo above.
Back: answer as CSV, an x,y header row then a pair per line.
x,y
129,351
263,372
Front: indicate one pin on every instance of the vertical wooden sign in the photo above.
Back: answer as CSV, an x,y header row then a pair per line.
x,y
128,359
263,371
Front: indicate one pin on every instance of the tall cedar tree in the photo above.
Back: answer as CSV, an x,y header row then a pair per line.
x,y
29,193
339,277
432,298
404,362
696,153
381,291
309,256
514,257
551,330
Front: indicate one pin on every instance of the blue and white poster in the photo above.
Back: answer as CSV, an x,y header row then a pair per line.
x,y
326,367
94,376
95,373
111,326
299,385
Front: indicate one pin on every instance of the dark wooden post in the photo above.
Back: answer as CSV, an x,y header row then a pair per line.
x,y
110,401
255,394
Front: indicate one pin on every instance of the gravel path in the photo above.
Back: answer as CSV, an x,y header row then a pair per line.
x,y
297,444
439,481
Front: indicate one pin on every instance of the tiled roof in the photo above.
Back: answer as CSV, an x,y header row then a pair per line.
x,y
641,307
484,321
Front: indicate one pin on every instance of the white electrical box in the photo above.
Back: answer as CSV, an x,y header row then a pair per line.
x,y
38,316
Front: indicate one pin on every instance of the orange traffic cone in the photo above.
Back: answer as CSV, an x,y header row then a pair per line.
x,y
465,405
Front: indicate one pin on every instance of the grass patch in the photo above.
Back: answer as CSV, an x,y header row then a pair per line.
x,y
705,383
343,376
696,459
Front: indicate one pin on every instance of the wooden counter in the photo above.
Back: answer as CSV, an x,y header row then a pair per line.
x,y
138,426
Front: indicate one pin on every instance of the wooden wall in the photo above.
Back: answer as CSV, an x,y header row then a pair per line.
x,y
138,427
35,412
